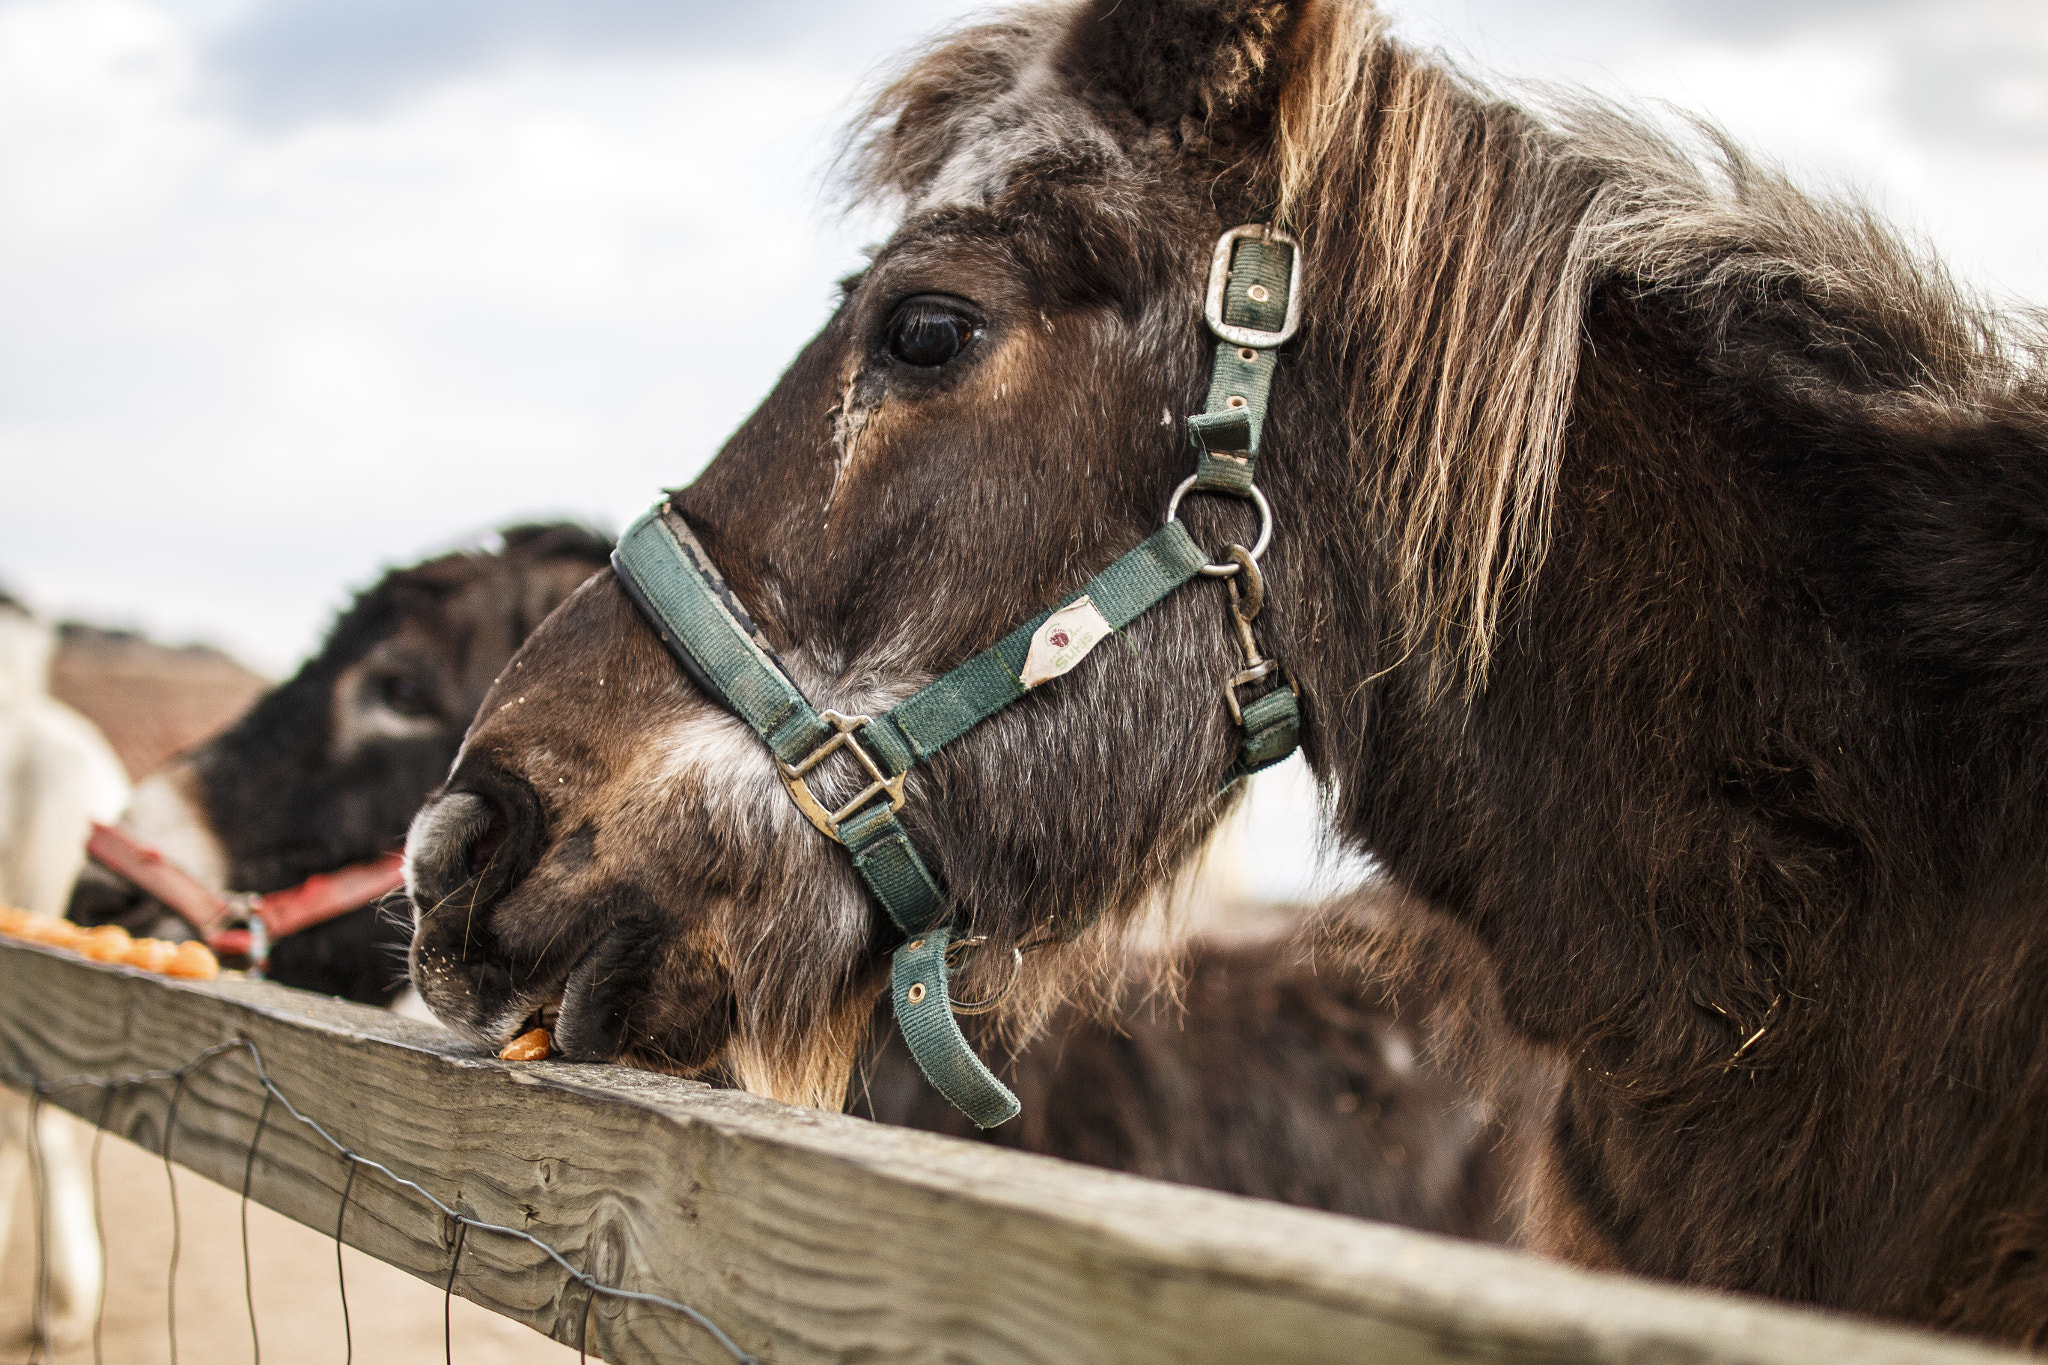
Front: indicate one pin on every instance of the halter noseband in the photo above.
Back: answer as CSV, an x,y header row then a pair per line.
x,y
1253,306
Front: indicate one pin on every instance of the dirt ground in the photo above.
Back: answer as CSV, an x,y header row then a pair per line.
x,y
395,1318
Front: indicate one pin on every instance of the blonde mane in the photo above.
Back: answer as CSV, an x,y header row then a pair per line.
x,y
1461,236
1459,286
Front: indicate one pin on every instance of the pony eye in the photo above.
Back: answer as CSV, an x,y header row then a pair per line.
x,y
405,696
927,333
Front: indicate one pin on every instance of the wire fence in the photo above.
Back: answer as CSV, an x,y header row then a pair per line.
x,y
770,1215
40,1088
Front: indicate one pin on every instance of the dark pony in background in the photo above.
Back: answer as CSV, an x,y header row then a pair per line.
x,y
1662,560
327,769
1255,1065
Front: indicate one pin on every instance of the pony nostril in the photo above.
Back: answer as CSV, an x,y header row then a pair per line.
x,y
488,843
479,838
440,848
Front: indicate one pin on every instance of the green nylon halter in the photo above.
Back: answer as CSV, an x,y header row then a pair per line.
x,y
682,595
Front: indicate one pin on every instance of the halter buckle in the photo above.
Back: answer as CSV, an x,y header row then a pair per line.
x,y
1219,280
879,782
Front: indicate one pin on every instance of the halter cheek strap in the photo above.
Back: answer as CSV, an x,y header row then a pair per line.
x,y
680,592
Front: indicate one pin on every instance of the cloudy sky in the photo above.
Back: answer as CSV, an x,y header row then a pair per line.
x,y
292,290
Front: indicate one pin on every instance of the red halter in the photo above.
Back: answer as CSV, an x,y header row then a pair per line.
x,y
319,898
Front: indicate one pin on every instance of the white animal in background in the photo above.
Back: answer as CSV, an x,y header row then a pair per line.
x,y
57,772
57,775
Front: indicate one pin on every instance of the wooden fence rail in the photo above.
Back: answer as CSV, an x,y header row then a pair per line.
x,y
810,1236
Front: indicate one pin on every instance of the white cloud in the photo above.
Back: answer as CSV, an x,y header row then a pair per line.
x,y
283,61
1935,112
243,368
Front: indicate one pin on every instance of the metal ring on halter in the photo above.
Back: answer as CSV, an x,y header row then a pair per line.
x,y
1265,523
984,1006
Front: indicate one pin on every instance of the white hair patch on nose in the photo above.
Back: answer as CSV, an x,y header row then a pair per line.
x,y
713,752
165,812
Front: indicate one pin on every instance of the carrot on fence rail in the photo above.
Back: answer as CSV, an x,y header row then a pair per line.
x,y
109,944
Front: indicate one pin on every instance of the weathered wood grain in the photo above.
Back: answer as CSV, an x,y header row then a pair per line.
x,y
817,1237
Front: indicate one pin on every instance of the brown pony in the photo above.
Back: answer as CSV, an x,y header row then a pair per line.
x,y
1662,559
1284,1077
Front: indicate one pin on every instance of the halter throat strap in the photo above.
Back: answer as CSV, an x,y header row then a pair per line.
x,y
1253,308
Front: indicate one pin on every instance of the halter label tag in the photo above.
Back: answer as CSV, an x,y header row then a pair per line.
x,y
1063,641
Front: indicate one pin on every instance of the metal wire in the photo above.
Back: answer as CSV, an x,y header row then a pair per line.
x,y
448,1296
38,1183
348,1335
248,1273
99,1229
44,1088
177,1222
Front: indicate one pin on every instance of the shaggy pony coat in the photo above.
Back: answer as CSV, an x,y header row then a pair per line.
x,y
1674,624
1662,561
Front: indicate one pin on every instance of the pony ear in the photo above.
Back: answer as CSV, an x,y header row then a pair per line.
x,y
1173,63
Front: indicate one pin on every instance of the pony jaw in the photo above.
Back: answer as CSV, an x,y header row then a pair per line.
x,y
815,1071
811,1079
